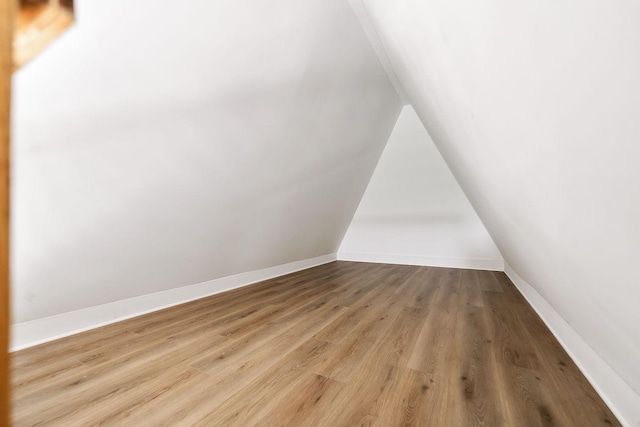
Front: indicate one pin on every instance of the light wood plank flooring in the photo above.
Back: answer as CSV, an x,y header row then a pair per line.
x,y
344,344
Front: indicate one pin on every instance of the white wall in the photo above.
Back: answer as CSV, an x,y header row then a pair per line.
x,y
535,106
413,210
162,145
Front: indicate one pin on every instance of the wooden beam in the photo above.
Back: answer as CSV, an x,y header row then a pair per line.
x,y
6,67
38,23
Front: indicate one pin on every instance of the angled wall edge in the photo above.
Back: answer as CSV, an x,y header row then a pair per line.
x,y
616,393
34,332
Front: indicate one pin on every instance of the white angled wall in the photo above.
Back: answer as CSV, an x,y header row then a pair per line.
x,y
159,146
535,106
414,212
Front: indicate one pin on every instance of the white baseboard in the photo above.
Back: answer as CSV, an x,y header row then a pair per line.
x,y
616,393
469,264
28,334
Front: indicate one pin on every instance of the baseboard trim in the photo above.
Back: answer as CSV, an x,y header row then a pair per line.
x,y
34,332
469,264
616,393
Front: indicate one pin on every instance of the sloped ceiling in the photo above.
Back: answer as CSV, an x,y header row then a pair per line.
x,y
535,107
159,146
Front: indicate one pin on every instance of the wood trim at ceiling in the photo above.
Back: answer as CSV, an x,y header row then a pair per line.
x,y
38,23
6,35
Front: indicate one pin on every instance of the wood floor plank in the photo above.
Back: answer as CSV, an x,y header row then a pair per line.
x,y
435,348
358,312
471,288
253,402
416,401
474,373
506,286
241,351
304,403
562,379
107,384
515,345
343,344
379,373
417,289
526,390
346,358
490,282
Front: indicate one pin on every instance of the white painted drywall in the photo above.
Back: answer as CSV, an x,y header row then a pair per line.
x,y
162,145
45,329
414,211
365,21
535,106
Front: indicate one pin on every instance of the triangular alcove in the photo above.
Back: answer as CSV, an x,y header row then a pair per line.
x,y
413,210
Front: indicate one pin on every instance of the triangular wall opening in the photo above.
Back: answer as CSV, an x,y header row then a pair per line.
x,y
413,210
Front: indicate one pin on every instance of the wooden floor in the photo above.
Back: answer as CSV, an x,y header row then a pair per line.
x,y
344,344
